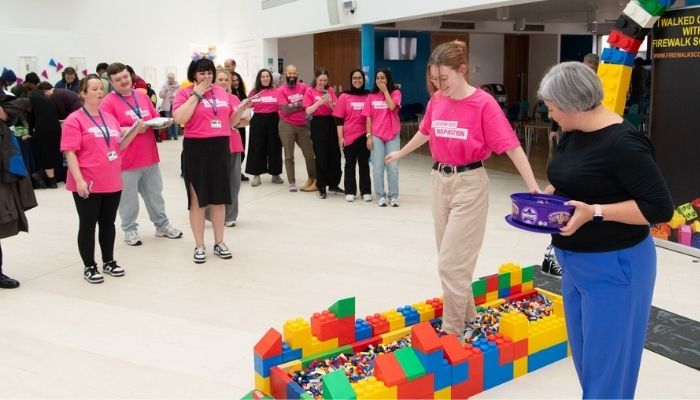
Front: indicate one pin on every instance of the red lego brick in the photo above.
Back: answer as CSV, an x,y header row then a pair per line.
x,y
270,345
491,283
520,349
420,388
522,295
506,348
424,338
346,330
475,380
437,306
455,353
378,323
324,326
363,345
516,289
388,370
479,300
278,383
624,42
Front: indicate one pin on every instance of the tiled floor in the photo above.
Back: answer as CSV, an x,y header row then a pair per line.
x,y
173,329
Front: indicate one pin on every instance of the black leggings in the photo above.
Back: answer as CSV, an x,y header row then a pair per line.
x,y
98,208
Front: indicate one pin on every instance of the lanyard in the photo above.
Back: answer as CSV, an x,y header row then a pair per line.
x,y
212,102
105,133
136,110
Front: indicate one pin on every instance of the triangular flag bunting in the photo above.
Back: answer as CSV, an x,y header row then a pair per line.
x,y
85,72
59,67
19,81
52,63
45,74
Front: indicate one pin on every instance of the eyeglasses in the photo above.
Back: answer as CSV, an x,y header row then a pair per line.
x,y
357,78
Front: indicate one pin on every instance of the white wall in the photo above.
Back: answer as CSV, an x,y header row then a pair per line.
x,y
485,58
298,50
544,52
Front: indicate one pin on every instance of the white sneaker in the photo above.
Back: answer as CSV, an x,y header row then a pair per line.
x,y
255,181
394,202
169,232
200,255
293,188
350,197
230,224
277,179
381,202
367,197
132,238
222,251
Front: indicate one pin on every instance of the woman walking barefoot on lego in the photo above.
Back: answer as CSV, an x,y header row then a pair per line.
x,y
463,125
606,252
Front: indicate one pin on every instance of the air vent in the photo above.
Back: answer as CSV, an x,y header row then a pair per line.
x,y
528,28
387,25
456,25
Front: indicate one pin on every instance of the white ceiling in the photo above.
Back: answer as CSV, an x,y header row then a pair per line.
x,y
552,11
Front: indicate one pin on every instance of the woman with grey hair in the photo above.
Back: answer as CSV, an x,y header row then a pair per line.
x,y
167,93
609,260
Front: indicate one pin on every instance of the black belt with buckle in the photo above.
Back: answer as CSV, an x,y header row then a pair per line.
x,y
448,169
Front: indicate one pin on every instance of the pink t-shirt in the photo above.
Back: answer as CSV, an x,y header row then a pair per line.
x,y
467,130
385,122
201,124
235,143
266,103
312,95
81,135
350,108
142,151
287,95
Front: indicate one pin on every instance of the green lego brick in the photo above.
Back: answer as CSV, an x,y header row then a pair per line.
x,y
337,386
306,396
410,363
255,394
347,349
479,287
343,308
504,281
528,273
653,7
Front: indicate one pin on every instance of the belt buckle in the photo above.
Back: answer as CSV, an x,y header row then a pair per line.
x,y
446,169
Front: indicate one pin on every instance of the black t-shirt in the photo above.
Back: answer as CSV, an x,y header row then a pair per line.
x,y
610,165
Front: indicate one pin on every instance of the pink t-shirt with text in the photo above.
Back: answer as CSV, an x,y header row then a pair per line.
x,y
385,122
466,130
81,135
266,103
349,107
200,124
142,151
312,95
287,95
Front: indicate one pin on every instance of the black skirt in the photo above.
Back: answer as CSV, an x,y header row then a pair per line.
x,y
205,169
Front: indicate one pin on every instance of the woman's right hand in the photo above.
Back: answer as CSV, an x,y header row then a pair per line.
x,y
203,86
393,156
82,188
370,145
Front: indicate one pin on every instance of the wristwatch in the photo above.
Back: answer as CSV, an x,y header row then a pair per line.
x,y
597,213
368,135
197,95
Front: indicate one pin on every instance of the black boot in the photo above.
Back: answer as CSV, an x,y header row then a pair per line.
x,y
51,183
38,181
8,283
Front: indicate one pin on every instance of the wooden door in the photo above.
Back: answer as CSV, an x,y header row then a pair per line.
x,y
516,56
339,53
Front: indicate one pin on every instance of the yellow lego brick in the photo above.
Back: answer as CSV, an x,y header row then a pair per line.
x,y
528,286
491,296
425,311
519,367
557,302
494,303
396,319
291,367
297,333
514,325
316,346
615,80
372,389
395,335
445,393
262,384
535,341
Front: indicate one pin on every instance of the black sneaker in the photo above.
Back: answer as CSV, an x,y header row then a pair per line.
x,y
549,264
322,194
336,190
243,177
112,268
92,275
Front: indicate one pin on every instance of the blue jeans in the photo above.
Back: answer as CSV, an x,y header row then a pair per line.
x,y
607,300
148,182
380,149
173,130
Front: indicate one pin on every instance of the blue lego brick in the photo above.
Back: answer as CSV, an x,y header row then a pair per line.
x,y
460,373
505,292
443,376
494,373
669,3
619,57
294,391
262,366
431,361
363,330
410,315
289,354
546,356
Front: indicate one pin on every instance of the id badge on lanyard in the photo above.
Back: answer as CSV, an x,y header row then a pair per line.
x,y
111,154
214,123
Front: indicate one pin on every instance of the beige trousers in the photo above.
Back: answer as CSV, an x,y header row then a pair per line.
x,y
290,134
460,207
